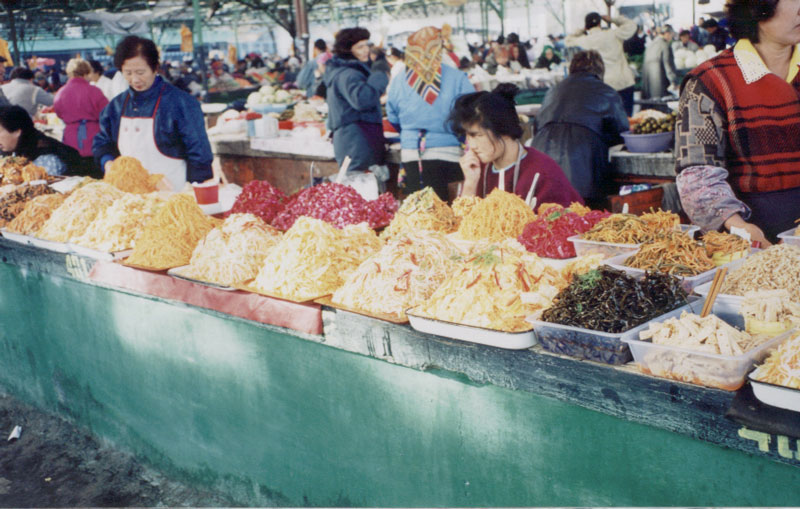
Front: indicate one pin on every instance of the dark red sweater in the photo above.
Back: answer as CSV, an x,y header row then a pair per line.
x,y
763,125
552,187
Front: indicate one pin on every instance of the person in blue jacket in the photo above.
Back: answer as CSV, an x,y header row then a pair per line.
x,y
153,121
353,95
419,104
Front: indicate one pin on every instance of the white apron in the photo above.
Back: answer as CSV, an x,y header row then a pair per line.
x,y
137,139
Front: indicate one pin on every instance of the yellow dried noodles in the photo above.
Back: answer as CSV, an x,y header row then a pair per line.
x,y
313,259
403,274
233,252
782,367
127,174
171,234
76,214
119,226
422,210
496,289
499,216
36,212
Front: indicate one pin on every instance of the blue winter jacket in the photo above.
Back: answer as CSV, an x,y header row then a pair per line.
x,y
179,127
353,95
409,110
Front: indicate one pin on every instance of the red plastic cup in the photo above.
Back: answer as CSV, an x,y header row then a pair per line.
x,y
206,193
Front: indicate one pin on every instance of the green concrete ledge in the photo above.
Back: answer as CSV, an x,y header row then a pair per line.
x,y
369,414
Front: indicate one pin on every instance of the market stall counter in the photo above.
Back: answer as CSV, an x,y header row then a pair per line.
x,y
656,169
365,412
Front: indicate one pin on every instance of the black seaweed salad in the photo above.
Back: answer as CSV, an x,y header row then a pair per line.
x,y
609,300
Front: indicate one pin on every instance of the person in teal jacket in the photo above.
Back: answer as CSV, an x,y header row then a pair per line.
x,y
419,103
353,96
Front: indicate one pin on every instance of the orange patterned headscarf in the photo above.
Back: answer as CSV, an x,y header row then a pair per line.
x,y
424,61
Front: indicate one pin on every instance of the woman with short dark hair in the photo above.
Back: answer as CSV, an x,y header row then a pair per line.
x,y
19,137
153,121
738,129
495,158
580,119
353,95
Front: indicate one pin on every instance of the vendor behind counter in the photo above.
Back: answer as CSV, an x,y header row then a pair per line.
x,y
737,135
153,121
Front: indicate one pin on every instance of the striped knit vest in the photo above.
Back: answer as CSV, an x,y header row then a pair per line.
x,y
763,125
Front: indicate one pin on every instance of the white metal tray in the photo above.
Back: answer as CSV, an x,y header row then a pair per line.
x,y
57,247
177,273
469,333
776,395
16,237
100,255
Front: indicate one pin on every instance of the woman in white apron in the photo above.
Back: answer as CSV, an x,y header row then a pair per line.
x,y
153,121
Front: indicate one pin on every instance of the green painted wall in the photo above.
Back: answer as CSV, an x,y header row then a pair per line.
x,y
276,419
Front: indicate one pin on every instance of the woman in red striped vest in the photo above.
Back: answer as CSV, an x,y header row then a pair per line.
x,y
737,143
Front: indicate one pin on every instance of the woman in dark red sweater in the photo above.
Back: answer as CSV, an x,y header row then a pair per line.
x,y
496,158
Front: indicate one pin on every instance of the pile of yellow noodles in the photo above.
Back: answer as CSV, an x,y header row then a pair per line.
x,y
422,210
725,243
233,252
128,174
499,216
660,220
117,227
673,253
620,229
463,205
497,288
782,367
313,259
36,212
171,235
545,209
76,214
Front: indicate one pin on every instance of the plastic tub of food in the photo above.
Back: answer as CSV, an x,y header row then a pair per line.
x,y
607,249
472,334
688,283
725,372
725,303
790,238
656,142
593,345
690,229
267,108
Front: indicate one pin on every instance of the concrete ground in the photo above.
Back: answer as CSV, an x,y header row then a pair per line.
x,y
55,464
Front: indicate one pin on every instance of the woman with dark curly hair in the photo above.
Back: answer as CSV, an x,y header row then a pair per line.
x,y
495,158
353,94
737,144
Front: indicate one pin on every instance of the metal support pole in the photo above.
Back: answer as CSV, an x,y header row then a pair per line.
x,y
301,24
199,49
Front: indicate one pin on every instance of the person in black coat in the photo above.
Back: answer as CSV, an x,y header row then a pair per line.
x,y
580,119
19,137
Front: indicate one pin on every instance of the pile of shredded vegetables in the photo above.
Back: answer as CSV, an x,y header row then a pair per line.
x,y
630,229
403,274
36,212
495,289
724,243
18,169
499,216
673,253
777,267
13,202
117,227
422,210
545,209
127,174
463,205
76,214
660,220
313,259
171,234
782,367
233,252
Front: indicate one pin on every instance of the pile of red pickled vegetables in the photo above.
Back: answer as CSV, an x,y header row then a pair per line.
x,y
261,198
547,234
338,205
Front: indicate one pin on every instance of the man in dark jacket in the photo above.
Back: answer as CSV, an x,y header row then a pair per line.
x,y
580,119
717,35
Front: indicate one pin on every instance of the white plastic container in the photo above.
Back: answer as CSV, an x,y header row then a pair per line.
x,y
610,249
725,372
16,237
605,347
790,238
491,337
